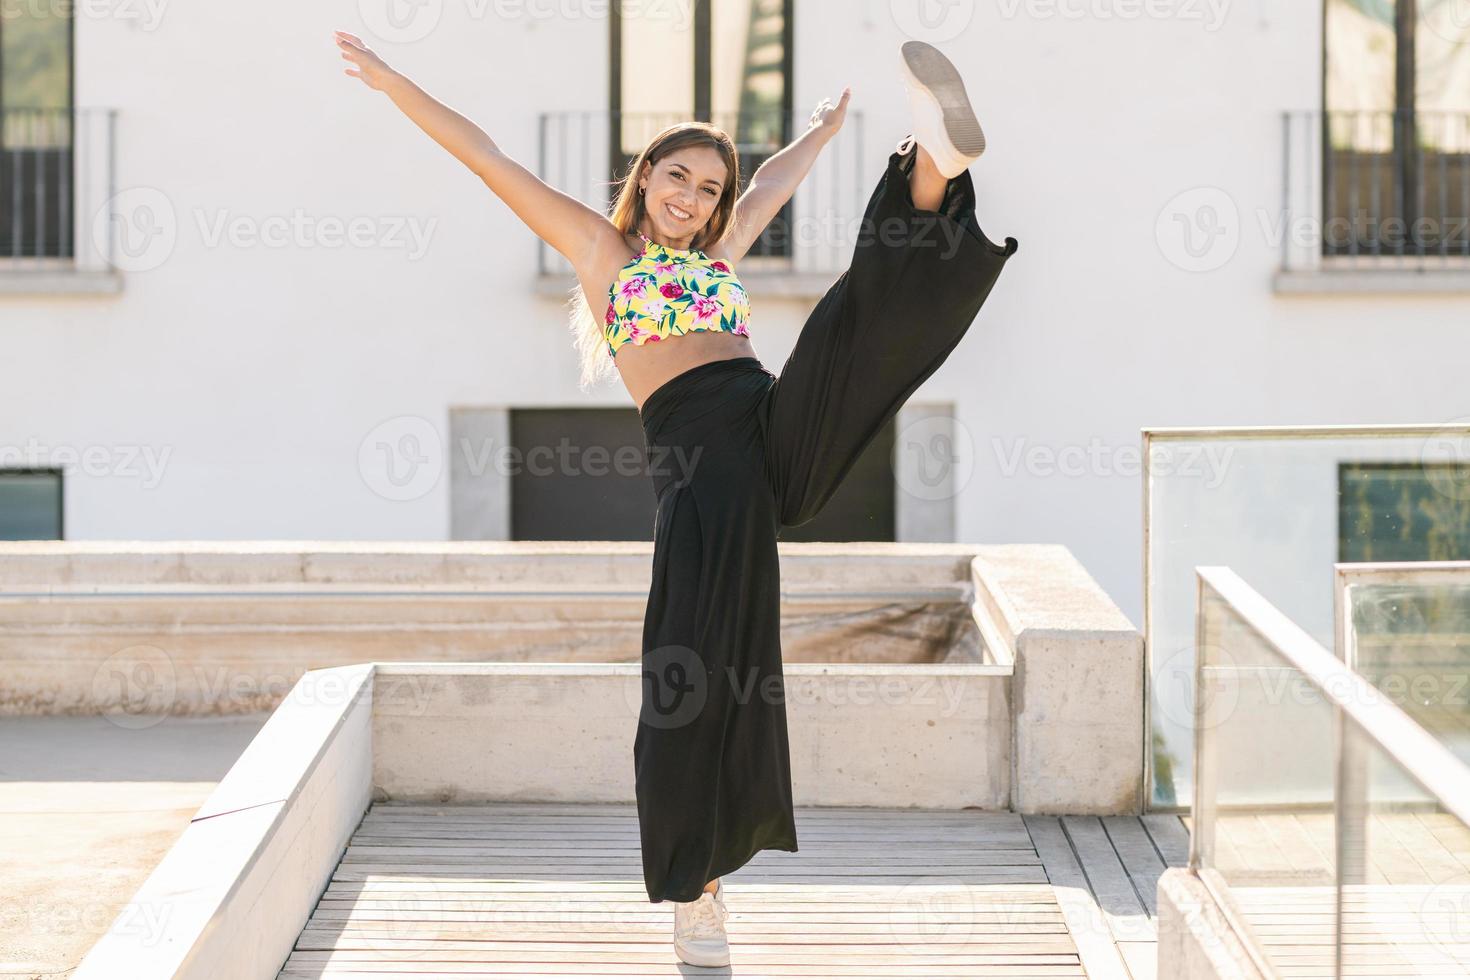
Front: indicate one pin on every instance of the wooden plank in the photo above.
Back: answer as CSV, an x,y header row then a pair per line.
x,y
1002,876
929,855
1095,945
1141,861
659,942
1301,850
1438,862
1127,918
1389,856
753,956
1170,836
296,971
1141,958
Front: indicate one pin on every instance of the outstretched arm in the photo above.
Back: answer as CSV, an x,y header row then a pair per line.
x,y
565,223
774,181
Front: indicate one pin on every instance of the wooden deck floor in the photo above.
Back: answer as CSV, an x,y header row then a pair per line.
x,y
1410,916
1106,874
542,889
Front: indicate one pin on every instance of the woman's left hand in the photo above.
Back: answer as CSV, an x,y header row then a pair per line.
x,y
828,116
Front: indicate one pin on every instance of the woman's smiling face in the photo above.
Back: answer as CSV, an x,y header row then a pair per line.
x,y
681,191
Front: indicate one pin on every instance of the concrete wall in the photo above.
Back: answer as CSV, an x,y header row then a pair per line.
x,y
956,675
861,735
229,899
157,628
1195,940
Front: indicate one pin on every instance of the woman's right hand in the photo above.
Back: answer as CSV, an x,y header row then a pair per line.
x,y
373,70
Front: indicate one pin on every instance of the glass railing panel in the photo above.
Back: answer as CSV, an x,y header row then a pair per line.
x,y
1264,824
1405,885
1408,634
1281,506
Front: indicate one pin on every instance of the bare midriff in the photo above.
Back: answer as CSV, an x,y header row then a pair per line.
x,y
648,365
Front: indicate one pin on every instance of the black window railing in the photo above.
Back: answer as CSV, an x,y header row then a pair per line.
x,y
55,176
584,153
1379,186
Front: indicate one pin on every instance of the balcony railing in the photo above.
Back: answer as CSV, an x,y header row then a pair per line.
x,y
584,153
1376,189
56,185
1330,828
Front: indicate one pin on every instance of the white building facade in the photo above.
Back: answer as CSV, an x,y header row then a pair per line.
x,y
266,306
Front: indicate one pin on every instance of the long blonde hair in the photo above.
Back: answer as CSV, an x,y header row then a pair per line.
x,y
627,215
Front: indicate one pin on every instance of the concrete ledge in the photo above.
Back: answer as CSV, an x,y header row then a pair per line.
x,y
1050,716
231,897
1077,692
1195,938
59,282
861,734
1357,281
190,628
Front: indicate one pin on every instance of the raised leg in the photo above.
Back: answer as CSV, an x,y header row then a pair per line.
x,y
916,281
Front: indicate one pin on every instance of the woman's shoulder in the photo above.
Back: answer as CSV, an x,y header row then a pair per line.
x,y
719,252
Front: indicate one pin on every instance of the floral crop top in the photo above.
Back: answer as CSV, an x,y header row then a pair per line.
x,y
668,292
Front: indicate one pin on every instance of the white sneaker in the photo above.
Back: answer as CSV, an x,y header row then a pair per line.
x,y
944,123
699,929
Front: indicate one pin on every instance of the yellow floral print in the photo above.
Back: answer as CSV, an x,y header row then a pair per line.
x,y
668,292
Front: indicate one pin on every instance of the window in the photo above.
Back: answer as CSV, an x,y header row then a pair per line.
x,y
864,506
30,505
1396,130
727,63
574,474
579,474
36,131
1403,511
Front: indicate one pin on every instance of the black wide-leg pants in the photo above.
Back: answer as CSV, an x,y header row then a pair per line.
x,y
736,453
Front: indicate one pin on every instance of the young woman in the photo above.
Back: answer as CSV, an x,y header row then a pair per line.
x,y
735,451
